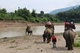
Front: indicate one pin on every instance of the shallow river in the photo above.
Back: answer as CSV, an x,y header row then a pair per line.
x,y
37,30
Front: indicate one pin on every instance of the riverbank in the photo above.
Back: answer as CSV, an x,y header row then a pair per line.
x,y
33,44
4,24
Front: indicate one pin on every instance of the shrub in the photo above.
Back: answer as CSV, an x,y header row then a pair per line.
x,y
77,44
79,35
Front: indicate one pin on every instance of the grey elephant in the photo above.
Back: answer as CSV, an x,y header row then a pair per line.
x,y
28,30
47,34
69,36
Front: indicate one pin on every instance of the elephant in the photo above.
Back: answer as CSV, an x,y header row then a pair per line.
x,y
69,36
28,30
47,34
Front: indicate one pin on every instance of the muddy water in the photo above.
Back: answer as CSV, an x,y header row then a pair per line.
x,y
37,30
11,32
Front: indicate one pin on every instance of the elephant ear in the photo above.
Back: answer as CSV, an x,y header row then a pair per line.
x,y
63,34
75,34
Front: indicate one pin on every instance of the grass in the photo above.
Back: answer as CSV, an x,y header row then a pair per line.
x,y
23,48
78,35
12,41
12,46
77,44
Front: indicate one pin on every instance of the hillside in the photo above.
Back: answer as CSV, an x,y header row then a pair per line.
x,y
63,9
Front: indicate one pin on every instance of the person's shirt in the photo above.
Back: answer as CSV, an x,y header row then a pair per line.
x,y
72,25
54,39
66,24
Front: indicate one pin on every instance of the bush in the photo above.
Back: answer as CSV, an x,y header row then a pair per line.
x,y
31,19
77,44
79,35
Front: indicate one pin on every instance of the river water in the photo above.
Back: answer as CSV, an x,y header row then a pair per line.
x,y
37,30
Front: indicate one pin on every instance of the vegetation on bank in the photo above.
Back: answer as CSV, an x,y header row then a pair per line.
x,y
77,41
73,14
25,15
77,44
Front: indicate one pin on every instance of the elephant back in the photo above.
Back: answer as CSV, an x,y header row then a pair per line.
x,y
48,31
69,33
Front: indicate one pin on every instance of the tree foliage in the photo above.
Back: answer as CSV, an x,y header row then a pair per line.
x,y
24,14
73,14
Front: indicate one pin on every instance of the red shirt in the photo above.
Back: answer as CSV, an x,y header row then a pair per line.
x,y
54,39
67,24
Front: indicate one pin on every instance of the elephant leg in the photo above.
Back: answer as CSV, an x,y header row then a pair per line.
x,y
66,43
31,33
70,46
44,38
28,33
48,39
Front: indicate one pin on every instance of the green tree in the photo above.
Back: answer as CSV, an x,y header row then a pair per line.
x,y
41,13
3,11
34,13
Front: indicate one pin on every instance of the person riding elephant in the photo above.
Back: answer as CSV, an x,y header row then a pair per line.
x,y
69,25
48,24
69,36
48,32
66,26
72,25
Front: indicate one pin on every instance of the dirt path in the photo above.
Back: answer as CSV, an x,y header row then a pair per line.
x,y
33,44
